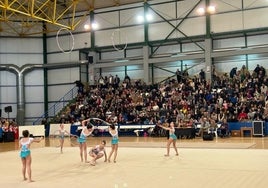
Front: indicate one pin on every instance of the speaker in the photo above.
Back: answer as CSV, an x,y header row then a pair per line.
x,y
90,59
8,109
257,128
9,137
207,136
0,112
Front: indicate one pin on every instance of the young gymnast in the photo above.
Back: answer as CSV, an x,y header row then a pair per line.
x,y
25,154
62,131
172,137
98,152
86,130
114,142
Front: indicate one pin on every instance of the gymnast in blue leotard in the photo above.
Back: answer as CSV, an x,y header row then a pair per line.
x,y
25,154
114,142
87,129
172,136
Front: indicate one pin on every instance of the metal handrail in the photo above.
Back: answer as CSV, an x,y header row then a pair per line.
x,y
58,106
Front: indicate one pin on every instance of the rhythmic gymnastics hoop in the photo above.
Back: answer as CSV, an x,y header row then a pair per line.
x,y
114,45
57,40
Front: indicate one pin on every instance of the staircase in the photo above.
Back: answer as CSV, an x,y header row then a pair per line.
x,y
58,106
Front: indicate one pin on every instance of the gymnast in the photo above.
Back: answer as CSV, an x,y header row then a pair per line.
x,y
86,130
172,137
114,142
62,131
25,154
98,152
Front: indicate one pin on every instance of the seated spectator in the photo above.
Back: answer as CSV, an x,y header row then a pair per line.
x,y
242,116
205,124
1,132
224,128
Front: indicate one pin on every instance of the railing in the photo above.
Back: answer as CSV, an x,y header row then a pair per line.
x,y
58,106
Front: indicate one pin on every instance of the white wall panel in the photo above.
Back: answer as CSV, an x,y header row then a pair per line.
x,y
103,37
226,66
64,42
68,75
134,34
184,7
37,74
227,22
62,57
135,52
129,16
160,74
122,36
255,4
229,43
107,20
193,26
134,72
190,27
82,40
112,55
119,71
165,28
22,59
34,94
34,109
167,11
21,45
8,94
257,40
227,5
7,78
256,18
190,47
55,93
262,62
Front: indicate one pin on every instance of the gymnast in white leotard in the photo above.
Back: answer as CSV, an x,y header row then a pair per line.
x,y
85,132
114,142
172,137
62,133
25,154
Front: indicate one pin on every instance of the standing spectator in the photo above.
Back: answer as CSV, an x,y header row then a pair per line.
x,y
111,80
178,74
256,71
202,75
116,81
233,72
127,80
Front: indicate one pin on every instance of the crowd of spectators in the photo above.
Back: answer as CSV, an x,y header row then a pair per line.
x,y
8,125
187,100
